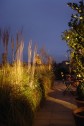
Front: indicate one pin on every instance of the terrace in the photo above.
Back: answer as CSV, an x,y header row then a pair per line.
x,y
57,110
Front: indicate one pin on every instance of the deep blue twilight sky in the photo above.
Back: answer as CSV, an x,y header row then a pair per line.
x,y
43,21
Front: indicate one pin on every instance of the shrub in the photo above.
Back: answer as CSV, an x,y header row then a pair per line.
x,y
46,80
80,91
15,109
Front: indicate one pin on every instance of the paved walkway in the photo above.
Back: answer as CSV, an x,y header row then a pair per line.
x,y
57,110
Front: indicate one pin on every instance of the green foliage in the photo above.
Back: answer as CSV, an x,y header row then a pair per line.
x,y
80,91
46,78
33,95
16,96
15,109
19,100
74,38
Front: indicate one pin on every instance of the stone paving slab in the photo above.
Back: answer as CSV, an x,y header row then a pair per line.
x,y
57,110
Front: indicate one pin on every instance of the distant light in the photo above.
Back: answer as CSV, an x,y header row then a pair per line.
x,y
78,75
81,18
79,10
67,63
67,37
75,16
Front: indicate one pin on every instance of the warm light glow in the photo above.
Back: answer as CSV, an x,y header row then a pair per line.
x,y
67,37
64,103
78,75
67,63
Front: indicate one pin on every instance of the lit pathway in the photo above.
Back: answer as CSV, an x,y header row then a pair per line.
x,y
57,110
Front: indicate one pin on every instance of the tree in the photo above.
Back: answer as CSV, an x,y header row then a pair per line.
x,y
74,37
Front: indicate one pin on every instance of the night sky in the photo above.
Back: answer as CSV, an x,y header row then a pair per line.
x,y
43,21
